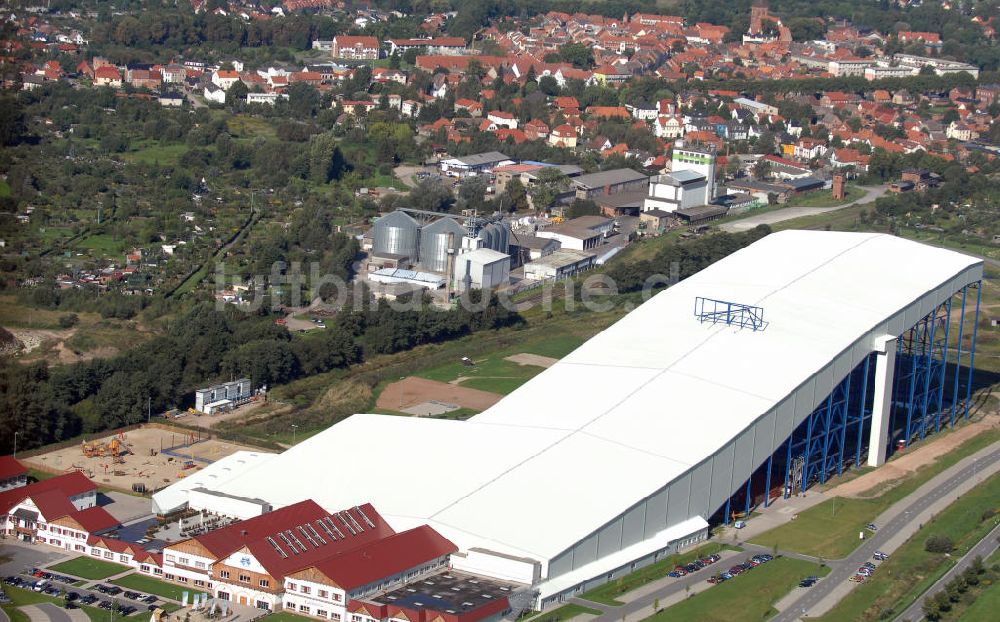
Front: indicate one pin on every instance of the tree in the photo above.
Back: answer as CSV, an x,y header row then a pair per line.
x,y
12,125
938,544
237,94
762,168
303,100
517,195
548,85
432,195
577,54
549,183
326,162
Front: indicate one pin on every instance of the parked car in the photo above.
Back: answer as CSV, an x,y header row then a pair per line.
x,y
871,527
88,599
38,587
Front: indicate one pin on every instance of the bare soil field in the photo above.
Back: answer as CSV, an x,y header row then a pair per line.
x,y
910,462
411,391
156,457
537,360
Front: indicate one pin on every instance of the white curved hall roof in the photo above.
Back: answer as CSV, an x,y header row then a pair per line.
x,y
635,407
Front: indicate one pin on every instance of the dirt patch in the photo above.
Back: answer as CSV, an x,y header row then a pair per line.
x,y
156,459
883,478
33,338
537,360
412,391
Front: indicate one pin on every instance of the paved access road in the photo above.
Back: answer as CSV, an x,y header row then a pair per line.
x,y
983,549
841,572
769,218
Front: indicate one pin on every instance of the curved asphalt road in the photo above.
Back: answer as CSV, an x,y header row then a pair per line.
x,y
769,218
844,570
983,549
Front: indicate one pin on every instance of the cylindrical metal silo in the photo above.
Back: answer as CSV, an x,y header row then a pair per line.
x,y
434,243
486,235
397,234
503,242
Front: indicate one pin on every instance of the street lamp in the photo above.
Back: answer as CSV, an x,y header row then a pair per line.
x,y
15,442
294,428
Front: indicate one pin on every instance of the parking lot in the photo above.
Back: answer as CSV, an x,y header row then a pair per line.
x,y
102,596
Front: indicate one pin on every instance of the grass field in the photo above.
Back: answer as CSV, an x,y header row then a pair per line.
x,y
606,593
750,596
563,613
4,188
102,243
492,373
150,585
911,569
89,568
152,152
829,529
823,198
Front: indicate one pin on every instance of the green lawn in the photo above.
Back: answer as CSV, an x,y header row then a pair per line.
x,y
830,529
987,602
152,152
103,243
824,198
493,373
750,596
4,188
89,568
141,583
564,613
606,593
911,569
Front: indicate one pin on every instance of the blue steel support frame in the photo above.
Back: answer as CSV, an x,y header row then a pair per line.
x,y
972,350
863,413
958,357
821,440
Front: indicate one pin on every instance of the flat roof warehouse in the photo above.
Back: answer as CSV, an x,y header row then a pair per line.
x,y
657,376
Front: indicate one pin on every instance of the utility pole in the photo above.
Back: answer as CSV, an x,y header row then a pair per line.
x,y
15,443
149,409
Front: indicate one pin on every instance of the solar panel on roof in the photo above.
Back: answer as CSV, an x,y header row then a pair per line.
x,y
355,522
315,534
277,548
288,542
297,541
326,528
365,517
346,524
333,525
308,537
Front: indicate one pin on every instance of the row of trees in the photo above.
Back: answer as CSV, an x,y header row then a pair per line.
x,y
205,344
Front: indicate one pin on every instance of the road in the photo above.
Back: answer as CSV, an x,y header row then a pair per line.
x,y
983,549
769,218
901,522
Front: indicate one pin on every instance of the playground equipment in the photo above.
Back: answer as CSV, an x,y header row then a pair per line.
x,y
115,449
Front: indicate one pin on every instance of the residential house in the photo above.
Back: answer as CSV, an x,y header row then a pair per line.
x,y
108,75
355,47
563,136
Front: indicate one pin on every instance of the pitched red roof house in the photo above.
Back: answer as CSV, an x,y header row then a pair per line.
x,y
10,468
385,558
